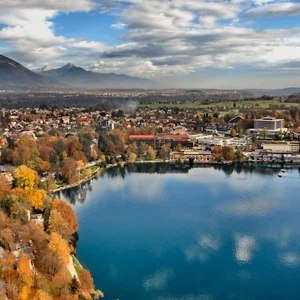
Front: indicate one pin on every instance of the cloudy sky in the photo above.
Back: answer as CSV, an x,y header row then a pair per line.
x,y
180,43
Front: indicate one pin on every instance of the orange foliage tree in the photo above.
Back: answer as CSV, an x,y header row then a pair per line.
x,y
25,276
86,281
67,213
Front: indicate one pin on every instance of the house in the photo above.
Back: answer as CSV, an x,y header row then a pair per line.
x,y
65,119
235,120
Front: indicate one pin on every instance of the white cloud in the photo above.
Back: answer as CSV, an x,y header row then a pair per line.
x,y
66,5
275,10
29,30
163,38
208,21
220,9
118,25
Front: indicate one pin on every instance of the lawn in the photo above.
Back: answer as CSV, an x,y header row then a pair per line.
x,y
222,108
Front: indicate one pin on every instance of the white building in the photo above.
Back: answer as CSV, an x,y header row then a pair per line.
x,y
269,123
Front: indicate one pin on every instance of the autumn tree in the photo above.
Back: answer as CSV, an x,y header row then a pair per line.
x,y
12,288
72,145
133,148
10,276
36,198
85,139
61,282
63,219
239,156
233,132
166,148
179,147
59,246
69,170
150,155
48,262
41,295
264,132
5,186
143,148
228,153
131,157
25,276
86,281
26,178
26,153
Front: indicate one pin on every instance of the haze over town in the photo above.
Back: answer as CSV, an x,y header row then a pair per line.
x,y
184,44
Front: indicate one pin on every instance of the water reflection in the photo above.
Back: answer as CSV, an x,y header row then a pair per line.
x,y
244,246
215,232
159,280
290,259
78,194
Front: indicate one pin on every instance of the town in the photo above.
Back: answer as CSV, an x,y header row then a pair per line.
x,y
91,138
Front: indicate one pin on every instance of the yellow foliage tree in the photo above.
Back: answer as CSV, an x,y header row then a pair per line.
x,y
41,295
80,163
36,198
24,293
59,246
26,178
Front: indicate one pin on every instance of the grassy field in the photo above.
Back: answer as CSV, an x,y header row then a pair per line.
x,y
223,107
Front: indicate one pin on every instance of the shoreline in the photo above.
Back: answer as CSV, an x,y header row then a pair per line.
x,y
204,163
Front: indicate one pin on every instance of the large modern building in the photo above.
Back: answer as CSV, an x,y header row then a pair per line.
x,y
289,146
269,123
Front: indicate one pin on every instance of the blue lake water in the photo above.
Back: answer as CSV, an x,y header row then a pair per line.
x,y
153,232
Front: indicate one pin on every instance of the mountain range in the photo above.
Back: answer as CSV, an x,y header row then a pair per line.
x,y
71,75
13,74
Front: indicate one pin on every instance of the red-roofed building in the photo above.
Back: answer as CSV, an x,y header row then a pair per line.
x,y
174,140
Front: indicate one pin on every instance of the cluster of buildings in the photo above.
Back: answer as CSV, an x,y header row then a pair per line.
x,y
174,127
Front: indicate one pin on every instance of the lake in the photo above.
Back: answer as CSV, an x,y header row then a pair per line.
x,y
161,233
